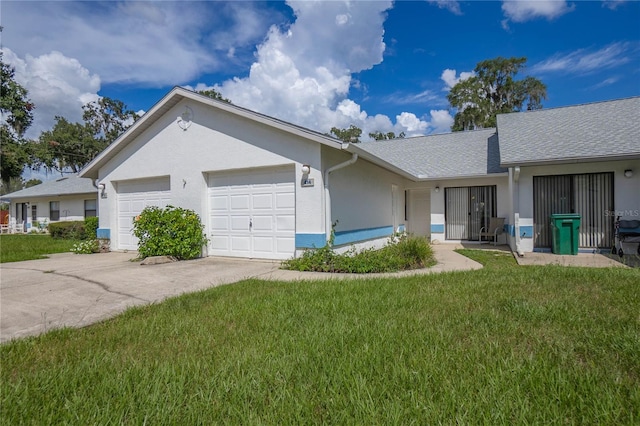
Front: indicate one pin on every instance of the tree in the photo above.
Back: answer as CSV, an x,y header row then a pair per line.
x,y
68,147
214,94
350,135
17,115
108,118
493,90
32,182
379,136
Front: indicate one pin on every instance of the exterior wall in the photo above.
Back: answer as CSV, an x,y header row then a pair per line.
x,y
361,201
626,194
438,202
71,208
215,141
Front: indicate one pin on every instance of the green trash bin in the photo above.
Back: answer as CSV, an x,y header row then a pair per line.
x,y
565,229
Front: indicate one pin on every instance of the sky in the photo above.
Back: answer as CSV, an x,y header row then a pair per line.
x,y
381,65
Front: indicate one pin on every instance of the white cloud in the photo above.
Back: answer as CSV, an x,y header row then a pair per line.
x,y
150,43
527,10
57,85
451,5
585,61
302,74
451,78
613,4
441,121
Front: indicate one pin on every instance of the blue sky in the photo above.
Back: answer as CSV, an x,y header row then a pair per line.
x,y
377,64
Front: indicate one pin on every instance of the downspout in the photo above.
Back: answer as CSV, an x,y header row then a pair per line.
x,y
516,207
327,196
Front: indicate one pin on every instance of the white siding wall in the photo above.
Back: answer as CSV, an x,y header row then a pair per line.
x,y
215,141
361,197
626,190
71,208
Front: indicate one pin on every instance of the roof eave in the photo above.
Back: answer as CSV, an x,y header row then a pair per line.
x,y
570,160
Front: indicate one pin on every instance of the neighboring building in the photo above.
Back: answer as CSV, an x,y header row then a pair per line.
x,y
265,188
66,198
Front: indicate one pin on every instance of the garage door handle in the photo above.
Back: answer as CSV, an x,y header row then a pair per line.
x,y
250,224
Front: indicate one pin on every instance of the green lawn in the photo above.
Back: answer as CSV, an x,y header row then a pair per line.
x,y
502,345
15,248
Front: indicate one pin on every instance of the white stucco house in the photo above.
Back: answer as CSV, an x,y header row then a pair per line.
x,y
265,188
63,199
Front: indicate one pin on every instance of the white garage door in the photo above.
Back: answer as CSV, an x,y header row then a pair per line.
x,y
252,214
133,197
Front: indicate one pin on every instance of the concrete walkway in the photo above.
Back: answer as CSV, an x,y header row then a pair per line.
x,y
76,290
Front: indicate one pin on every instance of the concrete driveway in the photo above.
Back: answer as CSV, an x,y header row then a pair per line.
x,y
77,290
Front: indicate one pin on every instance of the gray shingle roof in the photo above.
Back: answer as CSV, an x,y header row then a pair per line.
x,y
603,130
449,155
68,185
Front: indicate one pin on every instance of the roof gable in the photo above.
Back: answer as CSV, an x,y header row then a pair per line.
x,y
177,95
589,132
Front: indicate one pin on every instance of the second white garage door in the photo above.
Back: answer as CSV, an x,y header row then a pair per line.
x,y
252,214
133,197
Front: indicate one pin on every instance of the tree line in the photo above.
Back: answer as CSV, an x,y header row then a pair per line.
x,y
68,147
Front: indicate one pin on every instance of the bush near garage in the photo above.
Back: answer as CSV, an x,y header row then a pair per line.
x,y
68,230
91,227
172,231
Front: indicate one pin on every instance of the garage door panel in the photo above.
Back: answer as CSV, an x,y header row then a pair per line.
x,y
240,202
132,197
220,223
267,201
286,223
239,223
262,202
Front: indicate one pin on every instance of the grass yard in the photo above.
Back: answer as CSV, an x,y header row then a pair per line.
x,y
502,345
15,248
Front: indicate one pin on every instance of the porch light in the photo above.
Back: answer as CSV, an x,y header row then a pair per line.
x,y
306,169
628,173
102,187
437,189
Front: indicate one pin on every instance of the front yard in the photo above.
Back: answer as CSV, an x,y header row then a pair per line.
x,y
15,248
502,345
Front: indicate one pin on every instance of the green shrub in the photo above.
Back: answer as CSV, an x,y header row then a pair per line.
x,y
91,227
401,253
69,230
172,231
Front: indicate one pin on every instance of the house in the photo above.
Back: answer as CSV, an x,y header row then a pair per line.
x,y
581,159
265,188
66,198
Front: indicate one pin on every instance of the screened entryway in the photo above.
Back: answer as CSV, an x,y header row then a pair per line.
x,y
590,195
467,210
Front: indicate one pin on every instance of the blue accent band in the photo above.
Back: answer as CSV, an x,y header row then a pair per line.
x,y
357,235
437,228
526,232
103,233
310,240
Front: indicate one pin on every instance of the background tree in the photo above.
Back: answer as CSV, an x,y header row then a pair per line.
x,y
17,115
68,147
379,136
214,94
108,118
493,90
350,135
32,182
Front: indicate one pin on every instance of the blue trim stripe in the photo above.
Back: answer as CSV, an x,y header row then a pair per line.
x,y
310,240
437,228
525,231
357,235
103,233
